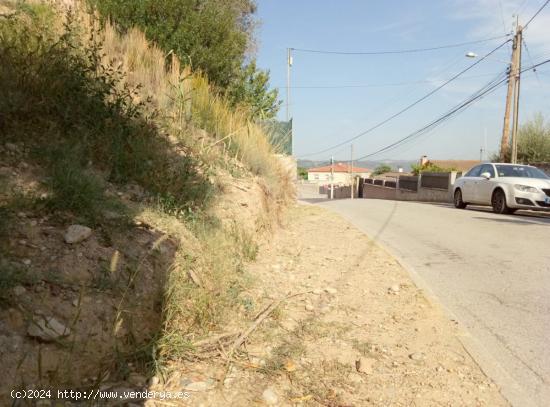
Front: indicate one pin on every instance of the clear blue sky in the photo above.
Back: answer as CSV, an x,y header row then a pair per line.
x,y
324,117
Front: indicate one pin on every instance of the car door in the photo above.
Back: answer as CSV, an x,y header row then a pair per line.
x,y
483,187
468,184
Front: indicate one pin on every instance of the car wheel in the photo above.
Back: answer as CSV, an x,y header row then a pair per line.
x,y
499,203
459,203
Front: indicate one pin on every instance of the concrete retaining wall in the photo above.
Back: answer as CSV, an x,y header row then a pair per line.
x,y
423,194
428,187
342,192
378,192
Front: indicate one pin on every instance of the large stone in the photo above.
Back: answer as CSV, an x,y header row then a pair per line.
x,y
47,328
77,233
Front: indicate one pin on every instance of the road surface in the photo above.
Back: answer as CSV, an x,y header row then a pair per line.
x,y
491,272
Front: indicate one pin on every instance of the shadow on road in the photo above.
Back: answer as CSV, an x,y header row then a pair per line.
x,y
313,200
511,220
541,216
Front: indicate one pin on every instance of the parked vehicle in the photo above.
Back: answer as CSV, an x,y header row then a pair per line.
x,y
505,187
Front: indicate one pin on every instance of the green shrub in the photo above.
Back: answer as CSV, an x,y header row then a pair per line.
x,y
57,93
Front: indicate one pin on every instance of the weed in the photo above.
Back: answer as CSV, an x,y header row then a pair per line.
x,y
289,349
75,190
245,242
12,275
363,347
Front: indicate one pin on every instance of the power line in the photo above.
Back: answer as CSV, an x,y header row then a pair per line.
x,y
531,60
403,51
375,85
490,87
409,106
536,14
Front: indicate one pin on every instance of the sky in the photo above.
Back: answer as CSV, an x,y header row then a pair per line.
x,y
359,91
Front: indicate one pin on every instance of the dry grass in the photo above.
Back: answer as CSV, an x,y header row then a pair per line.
x,y
196,132
187,102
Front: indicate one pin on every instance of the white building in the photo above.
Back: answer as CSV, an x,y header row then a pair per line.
x,y
342,174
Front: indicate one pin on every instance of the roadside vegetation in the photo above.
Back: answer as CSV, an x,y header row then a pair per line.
x,y
416,169
381,169
97,115
533,141
212,36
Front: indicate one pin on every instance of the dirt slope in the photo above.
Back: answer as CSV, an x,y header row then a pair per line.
x,y
358,333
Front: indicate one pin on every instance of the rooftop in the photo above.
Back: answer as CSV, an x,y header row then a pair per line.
x,y
339,167
459,165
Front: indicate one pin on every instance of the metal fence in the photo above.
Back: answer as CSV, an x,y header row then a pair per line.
x,y
435,180
408,182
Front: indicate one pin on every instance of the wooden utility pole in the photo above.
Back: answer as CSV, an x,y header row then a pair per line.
x,y
513,83
332,177
351,177
517,78
288,66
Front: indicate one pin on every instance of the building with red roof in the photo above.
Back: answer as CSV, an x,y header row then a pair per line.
x,y
341,172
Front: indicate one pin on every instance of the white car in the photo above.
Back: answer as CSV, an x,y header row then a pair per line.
x,y
505,187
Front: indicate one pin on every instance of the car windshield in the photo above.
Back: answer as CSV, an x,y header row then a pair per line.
x,y
521,171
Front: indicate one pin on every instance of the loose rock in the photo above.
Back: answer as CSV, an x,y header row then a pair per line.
x,y
270,397
365,365
394,288
137,380
47,328
77,233
19,290
191,385
416,356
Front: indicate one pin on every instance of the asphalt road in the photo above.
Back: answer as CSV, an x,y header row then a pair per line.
x,y
491,272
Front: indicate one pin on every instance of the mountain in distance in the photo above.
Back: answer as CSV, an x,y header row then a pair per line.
x,y
394,164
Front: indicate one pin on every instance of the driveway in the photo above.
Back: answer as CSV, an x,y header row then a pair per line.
x,y
491,272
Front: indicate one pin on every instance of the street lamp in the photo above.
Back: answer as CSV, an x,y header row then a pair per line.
x,y
472,55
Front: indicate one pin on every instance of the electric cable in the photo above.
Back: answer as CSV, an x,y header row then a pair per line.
x,y
410,106
478,95
403,51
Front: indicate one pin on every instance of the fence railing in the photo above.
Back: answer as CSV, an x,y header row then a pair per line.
x,y
436,180
408,182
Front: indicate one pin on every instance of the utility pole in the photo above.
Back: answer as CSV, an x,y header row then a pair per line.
x,y
352,179
288,66
332,177
513,82
517,78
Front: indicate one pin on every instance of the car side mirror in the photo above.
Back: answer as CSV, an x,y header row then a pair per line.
x,y
486,175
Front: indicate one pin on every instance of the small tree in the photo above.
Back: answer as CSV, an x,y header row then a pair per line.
x,y
381,169
534,140
302,173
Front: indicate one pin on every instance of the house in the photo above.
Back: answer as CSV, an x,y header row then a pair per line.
x,y
342,173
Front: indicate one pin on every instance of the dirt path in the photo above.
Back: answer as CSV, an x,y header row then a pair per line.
x,y
360,334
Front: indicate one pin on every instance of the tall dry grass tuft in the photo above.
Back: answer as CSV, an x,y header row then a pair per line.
x,y
187,102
